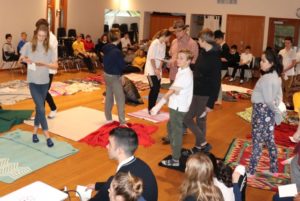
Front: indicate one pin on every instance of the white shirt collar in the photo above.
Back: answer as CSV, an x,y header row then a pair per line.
x,y
124,162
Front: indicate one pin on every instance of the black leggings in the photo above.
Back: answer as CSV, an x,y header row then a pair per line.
x,y
49,98
154,91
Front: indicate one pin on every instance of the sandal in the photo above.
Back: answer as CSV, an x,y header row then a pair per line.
x,y
170,163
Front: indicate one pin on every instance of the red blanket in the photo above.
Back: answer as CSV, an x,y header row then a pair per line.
x,y
100,136
282,133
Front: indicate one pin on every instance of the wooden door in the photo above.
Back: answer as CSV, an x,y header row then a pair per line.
x,y
51,14
243,30
63,9
279,28
158,22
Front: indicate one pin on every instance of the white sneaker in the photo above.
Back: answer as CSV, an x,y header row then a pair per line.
x,y
241,81
52,114
231,79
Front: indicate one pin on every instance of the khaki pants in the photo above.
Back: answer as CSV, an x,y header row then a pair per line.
x,y
287,84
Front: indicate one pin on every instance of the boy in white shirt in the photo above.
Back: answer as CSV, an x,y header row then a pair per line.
x,y
245,61
288,60
180,97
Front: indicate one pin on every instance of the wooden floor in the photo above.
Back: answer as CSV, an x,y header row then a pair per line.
x,y
92,164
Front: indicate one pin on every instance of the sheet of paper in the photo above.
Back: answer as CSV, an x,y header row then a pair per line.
x,y
32,66
289,190
85,194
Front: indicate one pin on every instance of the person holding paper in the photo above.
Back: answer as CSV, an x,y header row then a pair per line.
x,y
40,57
154,63
180,97
122,145
266,97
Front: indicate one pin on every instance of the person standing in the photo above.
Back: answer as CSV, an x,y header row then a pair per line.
x,y
54,44
289,60
40,57
207,80
266,96
182,41
179,97
154,63
114,66
225,56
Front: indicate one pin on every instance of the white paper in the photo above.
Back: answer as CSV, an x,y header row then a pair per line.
x,y
240,169
85,194
32,66
289,190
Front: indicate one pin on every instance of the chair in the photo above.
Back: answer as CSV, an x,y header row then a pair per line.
x,y
72,33
106,28
5,61
124,28
248,72
61,32
116,25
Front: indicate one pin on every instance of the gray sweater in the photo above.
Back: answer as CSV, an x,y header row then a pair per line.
x,y
41,74
268,90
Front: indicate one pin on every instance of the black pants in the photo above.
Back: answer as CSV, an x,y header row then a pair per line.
x,y
131,69
242,74
154,83
88,62
49,98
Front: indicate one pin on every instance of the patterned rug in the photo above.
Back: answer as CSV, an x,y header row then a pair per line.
x,y
246,114
240,152
19,156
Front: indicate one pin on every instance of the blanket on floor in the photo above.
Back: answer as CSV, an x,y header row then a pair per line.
x,y
239,152
100,136
9,118
19,156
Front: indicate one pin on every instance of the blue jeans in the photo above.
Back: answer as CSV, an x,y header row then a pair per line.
x,y
39,93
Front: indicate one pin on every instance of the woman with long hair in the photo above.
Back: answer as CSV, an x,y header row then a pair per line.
x,y
40,57
266,97
154,63
125,187
198,184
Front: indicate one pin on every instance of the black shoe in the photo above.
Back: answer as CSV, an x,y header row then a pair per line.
x,y
166,140
206,148
188,152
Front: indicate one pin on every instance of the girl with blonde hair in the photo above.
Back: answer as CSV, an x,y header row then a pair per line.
x,y
198,184
125,187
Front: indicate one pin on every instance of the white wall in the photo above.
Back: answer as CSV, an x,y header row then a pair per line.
x,y
88,15
17,16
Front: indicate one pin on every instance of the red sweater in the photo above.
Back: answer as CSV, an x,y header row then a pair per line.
x,y
89,46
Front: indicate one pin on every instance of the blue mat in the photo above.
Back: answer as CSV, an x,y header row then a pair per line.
x,y
19,156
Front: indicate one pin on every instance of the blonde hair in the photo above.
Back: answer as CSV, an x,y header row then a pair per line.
x,y
188,54
206,35
139,52
34,40
198,180
127,186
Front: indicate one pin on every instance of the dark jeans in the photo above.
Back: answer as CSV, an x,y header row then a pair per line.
x,y
88,62
242,73
49,98
39,93
154,91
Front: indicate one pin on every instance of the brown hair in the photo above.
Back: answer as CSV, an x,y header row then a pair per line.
x,y
128,186
199,179
206,35
40,22
34,40
114,35
188,54
163,32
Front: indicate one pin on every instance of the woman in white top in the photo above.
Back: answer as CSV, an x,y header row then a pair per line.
x,y
154,63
